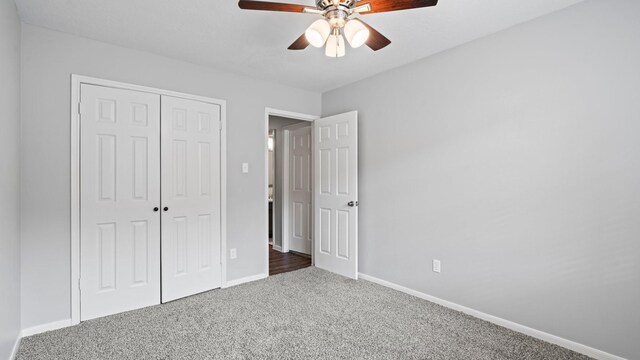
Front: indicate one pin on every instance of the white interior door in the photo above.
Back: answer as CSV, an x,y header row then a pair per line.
x,y
120,187
335,149
190,197
300,195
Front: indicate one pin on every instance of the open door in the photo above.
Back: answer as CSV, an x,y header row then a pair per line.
x,y
335,194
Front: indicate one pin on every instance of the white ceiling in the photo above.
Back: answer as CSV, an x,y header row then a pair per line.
x,y
217,33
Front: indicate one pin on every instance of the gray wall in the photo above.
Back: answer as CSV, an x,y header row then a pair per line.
x,y
277,123
9,177
48,60
515,160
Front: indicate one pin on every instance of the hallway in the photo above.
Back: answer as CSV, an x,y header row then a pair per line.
x,y
285,262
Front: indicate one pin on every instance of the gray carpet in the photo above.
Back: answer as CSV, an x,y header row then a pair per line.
x,y
307,314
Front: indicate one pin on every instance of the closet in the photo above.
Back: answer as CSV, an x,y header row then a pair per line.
x,y
150,199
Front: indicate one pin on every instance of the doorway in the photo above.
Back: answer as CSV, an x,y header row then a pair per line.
x,y
329,222
282,127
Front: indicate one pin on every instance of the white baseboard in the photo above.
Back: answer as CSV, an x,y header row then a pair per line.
x,y
46,327
14,352
66,323
277,248
571,345
244,280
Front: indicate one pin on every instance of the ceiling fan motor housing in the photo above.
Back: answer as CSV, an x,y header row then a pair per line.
x,y
336,15
324,4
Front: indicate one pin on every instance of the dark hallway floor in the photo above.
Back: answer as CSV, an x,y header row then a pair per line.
x,y
284,262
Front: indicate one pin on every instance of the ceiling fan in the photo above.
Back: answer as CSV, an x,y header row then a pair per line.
x,y
337,23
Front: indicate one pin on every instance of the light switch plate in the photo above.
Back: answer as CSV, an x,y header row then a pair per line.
x,y
436,266
245,168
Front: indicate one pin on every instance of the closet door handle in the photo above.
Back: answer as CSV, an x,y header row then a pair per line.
x,y
156,209
166,208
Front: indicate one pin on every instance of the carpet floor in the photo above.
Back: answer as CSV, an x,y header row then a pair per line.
x,y
306,314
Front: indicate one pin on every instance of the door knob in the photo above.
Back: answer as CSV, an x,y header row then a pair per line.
x,y
166,208
156,209
352,203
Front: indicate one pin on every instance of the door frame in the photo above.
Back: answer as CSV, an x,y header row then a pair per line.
x,y
76,82
286,193
273,218
290,115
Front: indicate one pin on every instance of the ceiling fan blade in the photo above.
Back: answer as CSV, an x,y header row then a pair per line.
x,y
270,6
300,44
376,41
378,6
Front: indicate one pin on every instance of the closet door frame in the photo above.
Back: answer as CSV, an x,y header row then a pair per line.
x,y
76,109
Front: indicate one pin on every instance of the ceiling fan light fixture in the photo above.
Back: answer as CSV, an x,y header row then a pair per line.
x,y
336,15
356,33
335,46
318,33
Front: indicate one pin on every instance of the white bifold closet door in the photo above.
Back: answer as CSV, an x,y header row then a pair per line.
x,y
119,187
190,197
149,199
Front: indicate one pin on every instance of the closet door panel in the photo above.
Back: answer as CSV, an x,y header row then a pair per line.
x,y
119,188
190,197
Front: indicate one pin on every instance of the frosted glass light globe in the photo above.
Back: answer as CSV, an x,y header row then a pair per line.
x,y
335,46
318,32
356,33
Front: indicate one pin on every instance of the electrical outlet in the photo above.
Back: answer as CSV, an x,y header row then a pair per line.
x,y
233,253
436,266
245,168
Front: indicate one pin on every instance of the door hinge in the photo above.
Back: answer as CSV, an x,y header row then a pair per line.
x,y
219,125
79,284
80,108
